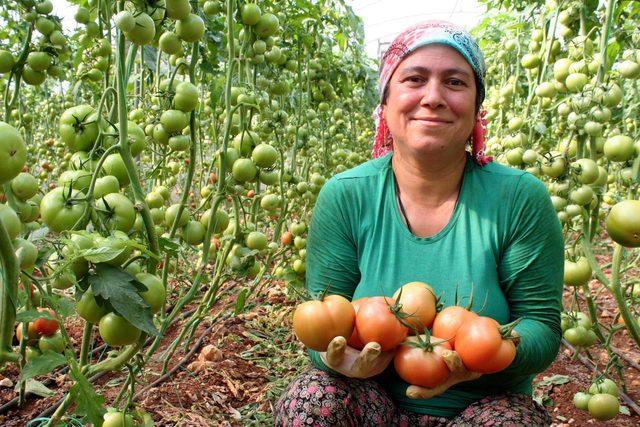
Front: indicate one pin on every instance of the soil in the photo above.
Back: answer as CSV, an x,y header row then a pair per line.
x,y
244,363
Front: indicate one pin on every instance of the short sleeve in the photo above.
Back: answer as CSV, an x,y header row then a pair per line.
x,y
531,271
332,260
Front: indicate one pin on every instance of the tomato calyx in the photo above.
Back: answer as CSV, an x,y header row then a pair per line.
x,y
457,300
507,331
423,341
80,123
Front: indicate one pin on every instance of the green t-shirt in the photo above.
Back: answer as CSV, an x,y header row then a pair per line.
x,y
503,239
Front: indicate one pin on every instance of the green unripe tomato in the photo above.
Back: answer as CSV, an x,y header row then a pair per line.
x,y
144,30
604,385
244,170
267,25
581,400
603,407
623,223
24,186
575,82
106,185
186,97
173,121
178,9
193,232
256,240
116,331
155,294
250,14
13,152
88,308
170,43
6,61
117,419
114,165
619,148
125,21
53,343
264,155
190,29
172,212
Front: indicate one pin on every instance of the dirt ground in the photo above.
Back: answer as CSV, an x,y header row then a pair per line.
x,y
244,363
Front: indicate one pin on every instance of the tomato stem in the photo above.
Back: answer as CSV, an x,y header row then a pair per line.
x,y
505,330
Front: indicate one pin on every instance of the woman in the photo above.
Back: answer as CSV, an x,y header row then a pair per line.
x,y
426,210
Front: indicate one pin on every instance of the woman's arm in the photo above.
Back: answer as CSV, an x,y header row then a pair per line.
x,y
531,271
332,263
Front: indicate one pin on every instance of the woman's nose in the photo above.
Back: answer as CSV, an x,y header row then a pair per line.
x,y
432,95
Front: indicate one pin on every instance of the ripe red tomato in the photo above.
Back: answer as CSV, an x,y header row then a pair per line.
x,y
481,346
419,302
423,367
448,322
316,323
376,322
44,326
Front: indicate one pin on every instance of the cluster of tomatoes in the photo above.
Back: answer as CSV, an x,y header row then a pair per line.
x,y
576,329
409,324
601,400
43,334
45,57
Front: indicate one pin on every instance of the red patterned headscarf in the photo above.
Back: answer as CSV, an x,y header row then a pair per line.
x,y
423,34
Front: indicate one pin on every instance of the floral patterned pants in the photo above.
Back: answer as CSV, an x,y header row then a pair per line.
x,y
318,399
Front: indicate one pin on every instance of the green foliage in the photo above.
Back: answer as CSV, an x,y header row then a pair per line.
x,y
42,364
120,290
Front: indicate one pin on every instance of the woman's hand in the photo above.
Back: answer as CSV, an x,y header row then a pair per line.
x,y
348,361
459,373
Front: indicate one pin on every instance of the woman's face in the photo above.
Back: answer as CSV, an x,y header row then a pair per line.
x,y
430,104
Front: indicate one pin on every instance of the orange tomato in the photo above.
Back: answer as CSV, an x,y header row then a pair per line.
x,y
316,323
425,368
419,302
448,322
376,322
481,346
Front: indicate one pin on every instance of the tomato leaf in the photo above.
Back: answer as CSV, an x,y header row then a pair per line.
x,y
242,297
167,246
31,315
120,289
65,307
553,380
88,402
102,254
42,364
36,387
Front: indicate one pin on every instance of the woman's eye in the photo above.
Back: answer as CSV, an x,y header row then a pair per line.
x,y
456,82
415,79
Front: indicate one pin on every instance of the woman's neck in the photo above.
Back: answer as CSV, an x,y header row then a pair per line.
x,y
428,183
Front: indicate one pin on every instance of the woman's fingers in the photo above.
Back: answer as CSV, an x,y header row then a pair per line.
x,y
452,360
336,350
367,360
417,392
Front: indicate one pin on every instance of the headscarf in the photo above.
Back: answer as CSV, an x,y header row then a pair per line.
x,y
423,34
